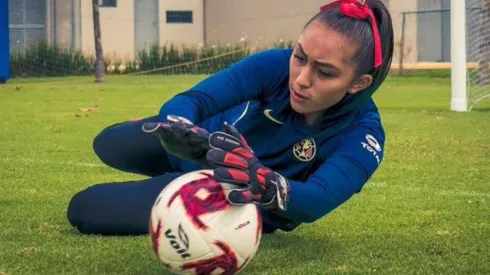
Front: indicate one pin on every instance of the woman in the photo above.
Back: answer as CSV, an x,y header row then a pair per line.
x,y
296,129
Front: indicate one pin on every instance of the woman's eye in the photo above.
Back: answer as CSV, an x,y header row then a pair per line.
x,y
325,74
299,57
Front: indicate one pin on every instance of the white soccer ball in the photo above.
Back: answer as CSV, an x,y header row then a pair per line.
x,y
195,230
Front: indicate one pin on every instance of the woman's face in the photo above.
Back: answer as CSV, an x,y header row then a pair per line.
x,y
322,70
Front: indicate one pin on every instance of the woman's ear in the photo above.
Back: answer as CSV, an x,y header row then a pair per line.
x,y
361,83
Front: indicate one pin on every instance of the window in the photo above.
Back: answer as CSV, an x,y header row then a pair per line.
x,y
27,25
179,16
108,3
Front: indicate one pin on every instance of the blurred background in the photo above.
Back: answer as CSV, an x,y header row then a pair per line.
x,y
135,32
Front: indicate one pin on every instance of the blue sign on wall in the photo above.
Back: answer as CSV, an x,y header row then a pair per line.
x,y
4,42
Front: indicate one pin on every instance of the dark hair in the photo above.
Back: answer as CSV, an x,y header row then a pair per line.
x,y
361,32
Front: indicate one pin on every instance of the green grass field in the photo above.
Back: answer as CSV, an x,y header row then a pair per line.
x,y
425,211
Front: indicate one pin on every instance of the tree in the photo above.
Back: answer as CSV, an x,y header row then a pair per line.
x,y
99,57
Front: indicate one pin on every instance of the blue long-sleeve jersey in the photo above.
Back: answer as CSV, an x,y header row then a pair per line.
x,y
325,165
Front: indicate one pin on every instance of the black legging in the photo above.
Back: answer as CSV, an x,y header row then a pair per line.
x,y
124,208
126,147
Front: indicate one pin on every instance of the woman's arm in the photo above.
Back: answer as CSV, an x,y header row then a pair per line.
x,y
339,178
252,78
342,175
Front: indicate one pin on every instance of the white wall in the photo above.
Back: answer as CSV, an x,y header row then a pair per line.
x,y
191,34
117,28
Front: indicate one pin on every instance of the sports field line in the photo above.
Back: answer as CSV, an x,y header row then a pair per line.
x,y
372,184
27,161
462,193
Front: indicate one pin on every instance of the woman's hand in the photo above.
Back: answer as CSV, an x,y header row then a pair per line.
x,y
181,138
235,163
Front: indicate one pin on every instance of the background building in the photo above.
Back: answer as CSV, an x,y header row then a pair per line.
x,y
129,25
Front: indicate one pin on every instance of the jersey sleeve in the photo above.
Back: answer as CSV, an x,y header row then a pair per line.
x,y
252,78
338,178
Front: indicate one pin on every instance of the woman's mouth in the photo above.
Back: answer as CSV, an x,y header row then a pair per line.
x,y
298,97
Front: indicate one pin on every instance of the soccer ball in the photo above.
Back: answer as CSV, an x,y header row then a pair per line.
x,y
195,230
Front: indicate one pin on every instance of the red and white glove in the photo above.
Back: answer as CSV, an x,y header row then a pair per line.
x,y
235,163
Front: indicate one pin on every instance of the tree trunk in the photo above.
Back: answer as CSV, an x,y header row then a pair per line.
x,y
99,57
484,62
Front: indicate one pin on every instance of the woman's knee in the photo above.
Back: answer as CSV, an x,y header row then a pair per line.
x,y
95,210
121,208
104,143
78,211
124,146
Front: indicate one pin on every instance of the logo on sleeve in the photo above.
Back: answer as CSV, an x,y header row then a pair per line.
x,y
373,147
267,113
305,150
373,142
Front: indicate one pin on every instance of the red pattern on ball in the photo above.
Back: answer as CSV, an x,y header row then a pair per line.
x,y
195,206
227,262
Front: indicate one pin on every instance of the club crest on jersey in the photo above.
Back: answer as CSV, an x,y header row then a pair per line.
x,y
305,150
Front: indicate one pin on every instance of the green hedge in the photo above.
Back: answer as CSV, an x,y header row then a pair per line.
x,y
44,60
169,60
50,60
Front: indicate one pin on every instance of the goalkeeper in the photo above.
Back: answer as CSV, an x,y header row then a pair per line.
x,y
296,129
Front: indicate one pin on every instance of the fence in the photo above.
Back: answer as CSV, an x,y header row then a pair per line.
x,y
425,41
45,38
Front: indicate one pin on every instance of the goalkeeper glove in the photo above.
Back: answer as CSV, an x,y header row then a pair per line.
x,y
181,138
235,163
